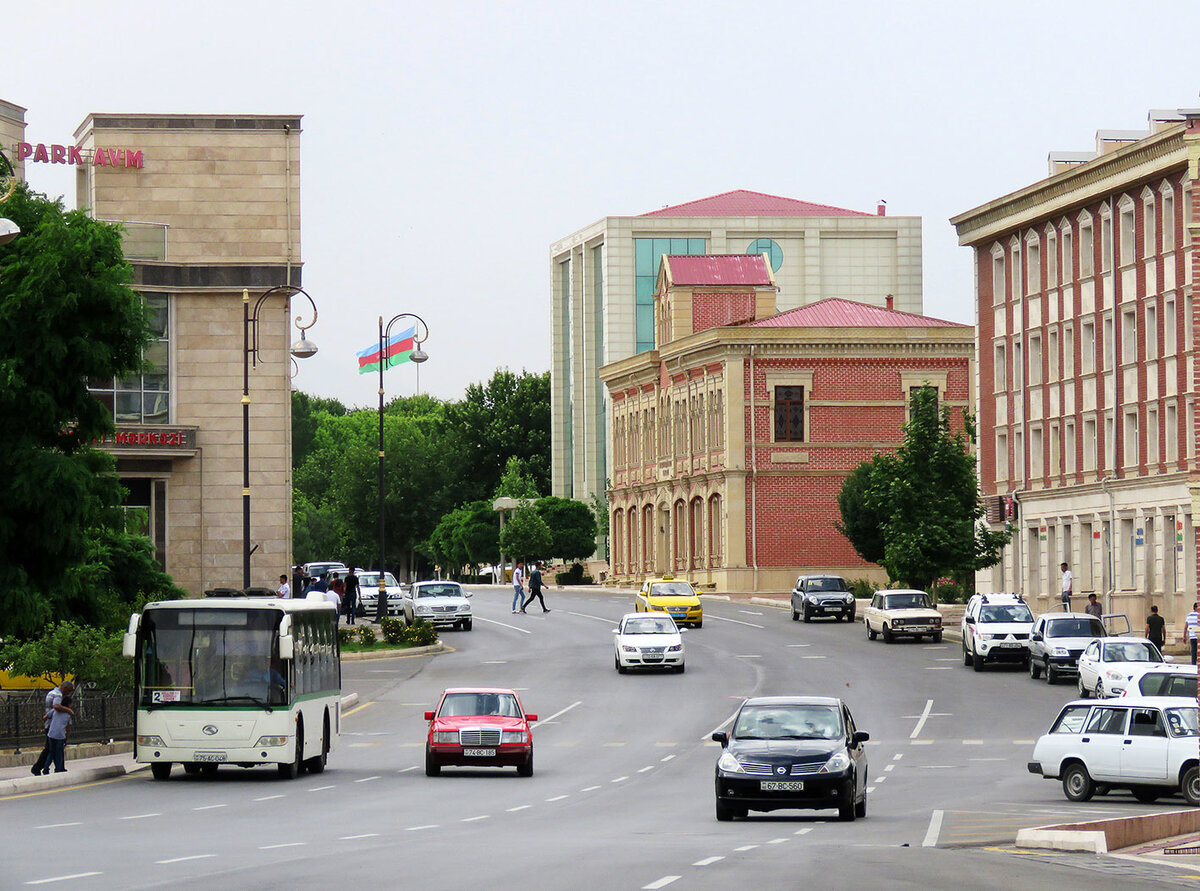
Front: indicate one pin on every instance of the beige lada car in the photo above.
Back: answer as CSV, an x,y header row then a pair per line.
x,y
902,613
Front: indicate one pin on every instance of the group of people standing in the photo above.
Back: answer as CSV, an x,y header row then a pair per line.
x,y
342,593
535,587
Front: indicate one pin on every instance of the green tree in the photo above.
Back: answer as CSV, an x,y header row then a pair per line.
x,y
572,527
516,481
304,422
526,535
67,315
92,656
861,524
507,416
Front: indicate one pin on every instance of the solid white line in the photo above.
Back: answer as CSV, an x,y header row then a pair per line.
x,y
921,722
418,828
644,769
558,714
57,825
745,848
935,827
473,819
734,621
708,861
209,807
355,837
590,789
556,798
661,883
504,625
141,816
513,810
78,875
269,797
597,618
366,779
284,845
749,612
182,859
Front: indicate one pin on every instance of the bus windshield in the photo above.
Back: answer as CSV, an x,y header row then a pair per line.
x,y
210,657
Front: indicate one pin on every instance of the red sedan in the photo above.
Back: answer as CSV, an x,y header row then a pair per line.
x,y
479,727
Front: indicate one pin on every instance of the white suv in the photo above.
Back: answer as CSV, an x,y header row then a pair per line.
x,y
995,628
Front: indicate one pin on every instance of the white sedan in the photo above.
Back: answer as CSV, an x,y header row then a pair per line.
x,y
647,640
1105,664
444,604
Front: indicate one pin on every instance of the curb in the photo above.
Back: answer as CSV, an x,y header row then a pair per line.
x,y
61,780
75,752
1063,840
438,647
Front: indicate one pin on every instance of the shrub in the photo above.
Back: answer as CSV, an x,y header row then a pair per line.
x,y
420,633
573,576
345,636
366,635
949,591
587,580
393,630
862,589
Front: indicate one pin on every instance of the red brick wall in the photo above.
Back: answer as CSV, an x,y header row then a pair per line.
x,y
714,309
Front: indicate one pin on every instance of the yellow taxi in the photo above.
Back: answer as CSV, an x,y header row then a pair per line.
x,y
674,596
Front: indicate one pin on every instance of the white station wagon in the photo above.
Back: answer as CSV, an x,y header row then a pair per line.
x,y
902,613
1146,744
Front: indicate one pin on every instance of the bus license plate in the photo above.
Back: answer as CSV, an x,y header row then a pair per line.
x,y
211,756
480,753
780,786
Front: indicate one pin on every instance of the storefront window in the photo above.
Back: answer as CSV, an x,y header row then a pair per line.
x,y
143,398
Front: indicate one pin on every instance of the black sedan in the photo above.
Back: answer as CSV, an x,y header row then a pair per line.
x,y
792,752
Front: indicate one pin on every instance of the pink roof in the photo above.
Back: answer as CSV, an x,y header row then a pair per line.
x,y
837,313
719,269
743,203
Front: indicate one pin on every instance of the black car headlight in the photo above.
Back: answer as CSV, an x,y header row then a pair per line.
x,y
838,762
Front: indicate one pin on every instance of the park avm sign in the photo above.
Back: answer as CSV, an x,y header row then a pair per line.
x,y
40,153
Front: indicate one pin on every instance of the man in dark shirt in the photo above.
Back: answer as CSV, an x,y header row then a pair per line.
x,y
1156,628
1093,607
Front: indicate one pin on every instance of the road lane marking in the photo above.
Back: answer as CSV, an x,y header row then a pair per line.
x,y
513,810
557,714
56,825
987,759
666,759
661,883
141,816
946,659
666,744
790,646
644,769
473,819
1024,742
920,742
778,841
804,831
183,859
745,848
419,828
938,668
889,767
880,779
270,797
407,769
609,744
812,657
749,612
556,798
897,756
356,837
935,827
504,625
870,789
708,861
921,722
972,742
366,779
284,845
590,789
747,656
597,618
734,621
620,779
209,807
78,875
321,788
357,709
496,662
708,736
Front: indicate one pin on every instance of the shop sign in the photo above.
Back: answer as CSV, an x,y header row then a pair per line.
x,y
175,438
74,154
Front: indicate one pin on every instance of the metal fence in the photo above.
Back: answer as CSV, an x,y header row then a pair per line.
x,y
99,717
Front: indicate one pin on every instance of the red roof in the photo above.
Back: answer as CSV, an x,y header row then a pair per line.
x,y
837,313
743,203
719,269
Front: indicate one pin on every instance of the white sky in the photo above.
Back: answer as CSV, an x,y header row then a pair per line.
x,y
447,144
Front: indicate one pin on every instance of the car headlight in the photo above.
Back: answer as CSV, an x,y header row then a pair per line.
x,y
937,620
513,736
728,763
445,736
625,648
150,741
848,597
424,611
266,741
675,649
836,764
1113,675
464,608
1060,651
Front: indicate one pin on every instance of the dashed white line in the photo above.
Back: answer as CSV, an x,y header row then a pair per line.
x,y
747,656
708,861
141,816
1023,742
590,789
935,827
972,742
473,819
888,767
269,797
496,662
407,769
661,883
556,798
78,875
749,612
938,668
791,646
897,756
356,837
920,742
804,831
870,789
620,779
644,769
513,810
419,828
744,848
778,841
666,759
183,859
284,845
208,807
366,779
812,657
880,779
321,788
57,825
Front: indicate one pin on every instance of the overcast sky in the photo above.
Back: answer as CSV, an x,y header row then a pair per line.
x,y
447,144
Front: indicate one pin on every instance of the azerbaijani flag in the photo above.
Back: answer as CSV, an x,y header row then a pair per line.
x,y
397,349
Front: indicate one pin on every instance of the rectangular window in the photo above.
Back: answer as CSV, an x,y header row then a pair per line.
x,y
1153,446
1018,282
1125,230
1068,362
1089,444
1051,260
1035,360
1149,247
1052,354
1151,331
1035,453
1169,327
999,371
1055,450
1106,245
1018,366
998,293
1069,447
1109,345
1087,347
1001,456
1033,275
789,414
1087,250
1019,459
1129,336
1130,432
1171,434
143,398
1168,223
1068,256
1110,441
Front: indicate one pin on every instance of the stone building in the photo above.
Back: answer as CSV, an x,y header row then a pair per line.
x,y
733,436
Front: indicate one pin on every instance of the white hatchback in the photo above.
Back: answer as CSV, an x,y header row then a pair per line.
x,y
647,640
1146,744
1106,664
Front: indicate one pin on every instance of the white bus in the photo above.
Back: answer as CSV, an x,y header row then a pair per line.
x,y
234,680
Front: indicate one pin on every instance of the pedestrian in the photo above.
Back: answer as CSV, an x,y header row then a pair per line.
x,y
333,594
1156,628
350,598
1068,585
298,580
53,703
284,591
57,733
1192,623
518,587
535,588
320,584
1093,607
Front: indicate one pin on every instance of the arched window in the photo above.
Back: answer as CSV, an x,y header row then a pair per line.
x,y
696,533
715,553
678,539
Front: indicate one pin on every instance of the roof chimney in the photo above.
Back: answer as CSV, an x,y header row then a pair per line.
x,y
890,302
881,208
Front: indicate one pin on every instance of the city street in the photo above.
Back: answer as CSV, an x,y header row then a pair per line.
x,y
622,794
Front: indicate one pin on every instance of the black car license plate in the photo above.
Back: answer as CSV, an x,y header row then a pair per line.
x,y
781,786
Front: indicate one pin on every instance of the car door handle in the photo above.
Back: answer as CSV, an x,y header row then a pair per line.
x,y
1128,742
1086,739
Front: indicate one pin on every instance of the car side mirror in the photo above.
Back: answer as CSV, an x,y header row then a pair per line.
x,y
532,719
429,716
722,737
1035,636
682,631
468,594
616,631
1168,658
860,737
970,620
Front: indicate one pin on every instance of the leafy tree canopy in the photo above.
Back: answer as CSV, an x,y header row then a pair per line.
x,y
526,535
507,416
572,527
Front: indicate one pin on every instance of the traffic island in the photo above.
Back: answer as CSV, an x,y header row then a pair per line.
x,y
1103,836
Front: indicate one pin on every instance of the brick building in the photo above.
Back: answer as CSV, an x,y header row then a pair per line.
x,y
1087,371
732,437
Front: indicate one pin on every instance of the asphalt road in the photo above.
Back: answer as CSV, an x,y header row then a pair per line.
x,y
622,792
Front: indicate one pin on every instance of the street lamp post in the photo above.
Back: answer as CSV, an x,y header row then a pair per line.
x,y
301,349
417,356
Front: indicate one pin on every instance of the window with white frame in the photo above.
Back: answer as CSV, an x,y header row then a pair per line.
x,y
1106,240
1167,233
1033,266
1130,435
1001,455
1035,453
1187,214
1019,459
1169,327
1110,441
1089,443
1190,440
1068,362
1087,347
1171,433
1068,255
1018,282
1051,258
1018,366
999,369
1149,242
1151,331
1125,233
1109,345
1056,465
1087,248
1153,446
999,294
1069,446
1052,354
1129,336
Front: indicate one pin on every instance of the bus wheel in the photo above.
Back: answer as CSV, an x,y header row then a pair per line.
x,y
160,769
317,764
191,769
291,770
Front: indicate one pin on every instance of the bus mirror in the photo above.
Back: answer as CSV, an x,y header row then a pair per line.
x,y
287,646
129,641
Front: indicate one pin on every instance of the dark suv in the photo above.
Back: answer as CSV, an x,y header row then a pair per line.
x,y
822,595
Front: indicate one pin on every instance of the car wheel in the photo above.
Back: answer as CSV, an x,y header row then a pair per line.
x,y
160,770
724,811
850,617
621,669
795,615
1077,783
208,770
679,668
1034,671
966,655
1100,689
292,769
847,809
807,616
699,624
467,624
526,769
887,634
937,638
316,764
870,633
977,662
1190,786
860,809
1146,794
1051,674
431,769
1083,691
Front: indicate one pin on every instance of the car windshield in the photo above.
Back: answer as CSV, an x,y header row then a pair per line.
x,y
826,585
449,589
788,722
457,705
1131,651
904,601
649,625
1009,612
1162,683
1182,721
371,580
1075,628
671,589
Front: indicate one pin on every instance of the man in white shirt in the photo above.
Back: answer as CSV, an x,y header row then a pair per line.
x,y
284,590
1068,583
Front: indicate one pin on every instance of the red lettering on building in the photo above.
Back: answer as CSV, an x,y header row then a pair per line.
x,y
133,159
74,156
39,154
58,154
24,150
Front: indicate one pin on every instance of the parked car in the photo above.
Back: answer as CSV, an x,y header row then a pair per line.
x,y
479,727
1056,641
902,613
792,752
822,595
1146,744
995,628
647,640
319,568
672,596
1104,664
368,594
1148,679
444,604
